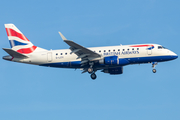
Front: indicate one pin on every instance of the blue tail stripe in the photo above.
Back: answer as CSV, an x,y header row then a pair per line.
x,y
16,43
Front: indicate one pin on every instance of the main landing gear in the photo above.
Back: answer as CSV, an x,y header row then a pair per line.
x,y
92,71
93,76
153,66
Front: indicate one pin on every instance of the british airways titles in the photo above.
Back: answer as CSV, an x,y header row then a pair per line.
x,y
121,53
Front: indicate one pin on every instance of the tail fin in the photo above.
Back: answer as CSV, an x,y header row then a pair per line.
x,y
18,40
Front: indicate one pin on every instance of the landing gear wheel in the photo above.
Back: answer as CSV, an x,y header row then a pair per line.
x,y
154,70
93,76
90,70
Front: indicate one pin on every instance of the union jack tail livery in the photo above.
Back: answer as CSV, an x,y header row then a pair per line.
x,y
18,40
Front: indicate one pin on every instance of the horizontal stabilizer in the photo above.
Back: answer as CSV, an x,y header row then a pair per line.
x,y
14,53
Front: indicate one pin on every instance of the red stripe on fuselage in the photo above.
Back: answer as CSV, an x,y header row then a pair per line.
x,y
141,45
27,50
11,32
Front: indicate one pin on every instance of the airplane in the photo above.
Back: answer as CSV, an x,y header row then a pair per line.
x,y
109,59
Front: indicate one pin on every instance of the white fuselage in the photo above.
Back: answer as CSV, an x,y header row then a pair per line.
x,y
134,55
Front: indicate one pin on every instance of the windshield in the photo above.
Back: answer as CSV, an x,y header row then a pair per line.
x,y
161,47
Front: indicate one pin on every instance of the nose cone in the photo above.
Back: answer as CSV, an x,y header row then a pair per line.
x,y
174,55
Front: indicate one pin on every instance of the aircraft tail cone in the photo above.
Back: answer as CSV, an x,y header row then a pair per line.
x,y
9,58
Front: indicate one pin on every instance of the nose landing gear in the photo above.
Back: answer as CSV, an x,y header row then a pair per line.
x,y
153,66
154,70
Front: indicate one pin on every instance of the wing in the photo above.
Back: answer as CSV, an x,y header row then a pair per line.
x,y
80,51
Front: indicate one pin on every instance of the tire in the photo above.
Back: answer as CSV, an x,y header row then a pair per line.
x,y
154,70
93,76
90,70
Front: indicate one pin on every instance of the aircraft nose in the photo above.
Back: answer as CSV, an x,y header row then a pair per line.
x,y
174,55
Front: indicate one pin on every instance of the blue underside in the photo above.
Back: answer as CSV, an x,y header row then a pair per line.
x,y
122,62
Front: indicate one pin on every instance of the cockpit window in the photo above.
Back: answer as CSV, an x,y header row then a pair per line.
x,y
161,47
164,47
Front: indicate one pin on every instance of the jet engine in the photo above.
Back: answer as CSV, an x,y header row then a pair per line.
x,y
110,60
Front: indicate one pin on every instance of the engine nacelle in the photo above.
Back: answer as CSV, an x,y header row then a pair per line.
x,y
111,60
113,71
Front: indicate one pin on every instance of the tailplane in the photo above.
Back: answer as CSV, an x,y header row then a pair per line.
x,y
18,40
14,53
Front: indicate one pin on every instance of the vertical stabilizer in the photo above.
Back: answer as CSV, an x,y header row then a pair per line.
x,y
18,40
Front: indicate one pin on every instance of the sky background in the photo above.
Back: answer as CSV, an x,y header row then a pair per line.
x,y
29,92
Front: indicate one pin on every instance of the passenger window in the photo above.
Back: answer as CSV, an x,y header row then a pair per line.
x,y
137,48
104,50
118,49
109,50
56,53
65,53
99,51
113,50
128,49
123,49
133,49
61,54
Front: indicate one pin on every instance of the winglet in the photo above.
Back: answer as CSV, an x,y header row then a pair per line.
x,y
62,36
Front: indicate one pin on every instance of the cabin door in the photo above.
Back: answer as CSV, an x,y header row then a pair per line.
x,y
149,52
49,57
